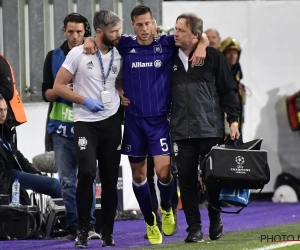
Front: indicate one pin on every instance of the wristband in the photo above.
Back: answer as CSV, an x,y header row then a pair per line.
x,y
234,124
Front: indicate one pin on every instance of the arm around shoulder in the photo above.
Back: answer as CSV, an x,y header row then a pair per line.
x,y
200,52
204,40
89,45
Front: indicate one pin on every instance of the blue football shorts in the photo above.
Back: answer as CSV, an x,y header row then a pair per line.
x,y
146,134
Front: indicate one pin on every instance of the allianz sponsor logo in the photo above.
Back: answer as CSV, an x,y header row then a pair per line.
x,y
156,64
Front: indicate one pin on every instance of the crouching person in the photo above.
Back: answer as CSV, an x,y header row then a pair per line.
x,y
13,165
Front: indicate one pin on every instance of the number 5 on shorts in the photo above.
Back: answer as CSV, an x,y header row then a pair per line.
x,y
164,144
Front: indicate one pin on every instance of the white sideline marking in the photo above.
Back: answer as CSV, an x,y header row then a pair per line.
x,y
278,245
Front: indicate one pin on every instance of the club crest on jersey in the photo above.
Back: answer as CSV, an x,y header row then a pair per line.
x,y
157,63
114,69
157,48
82,142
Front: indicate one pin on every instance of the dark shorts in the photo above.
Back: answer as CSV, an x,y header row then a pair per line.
x,y
146,134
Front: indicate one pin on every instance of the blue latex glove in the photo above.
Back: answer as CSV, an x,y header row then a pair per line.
x,y
93,105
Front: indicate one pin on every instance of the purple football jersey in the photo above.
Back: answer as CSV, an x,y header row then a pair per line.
x,y
146,75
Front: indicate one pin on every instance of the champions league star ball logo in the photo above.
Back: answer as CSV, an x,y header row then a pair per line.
x,y
240,169
239,160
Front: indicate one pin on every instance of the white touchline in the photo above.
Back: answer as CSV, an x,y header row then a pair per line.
x,y
278,245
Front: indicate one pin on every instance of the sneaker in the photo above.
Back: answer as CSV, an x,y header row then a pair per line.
x,y
168,222
82,239
146,237
215,228
69,237
108,241
194,236
153,234
92,234
71,234
175,213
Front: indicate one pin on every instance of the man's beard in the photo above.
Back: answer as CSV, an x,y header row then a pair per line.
x,y
109,42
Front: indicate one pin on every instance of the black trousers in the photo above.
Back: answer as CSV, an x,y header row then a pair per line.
x,y
98,141
187,157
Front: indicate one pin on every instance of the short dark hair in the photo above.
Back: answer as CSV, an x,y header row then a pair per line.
x,y
74,18
195,23
103,18
1,97
140,10
78,18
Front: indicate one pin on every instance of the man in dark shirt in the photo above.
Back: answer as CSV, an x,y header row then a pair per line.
x,y
200,97
13,165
